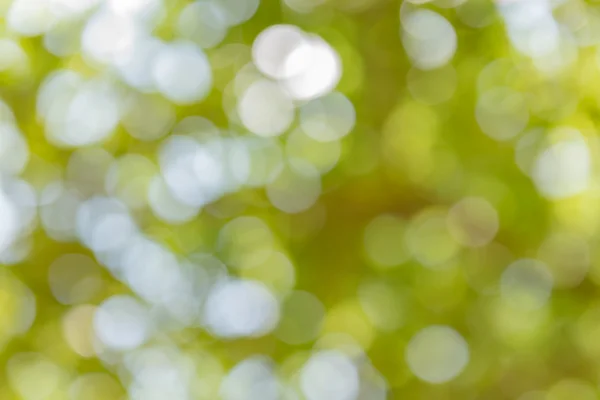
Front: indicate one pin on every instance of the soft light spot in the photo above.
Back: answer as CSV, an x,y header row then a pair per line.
x,y
90,116
19,307
277,272
17,252
204,23
567,257
128,179
159,373
373,385
322,155
328,118
564,168
245,242
182,73
12,57
78,329
429,39
274,51
238,11
303,6
108,38
9,222
528,148
266,160
473,222
67,9
133,65
58,211
165,206
200,128
25,368
437,354
265,109
329,375
197,173
347,317
95,386
502,113
63,39
54,95
526,284
251,379
296,188
30,17
239,308
14,151
176,157
142,10
148,118
320,76
429,240
104,224
531,26
145,262
382,305
520,327
122,323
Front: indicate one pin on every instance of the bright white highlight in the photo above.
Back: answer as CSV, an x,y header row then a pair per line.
x,y
317,77
30,17
104,224
276,49
241,308
108,38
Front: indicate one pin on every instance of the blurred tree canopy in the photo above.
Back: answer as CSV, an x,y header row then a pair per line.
x,y
299,199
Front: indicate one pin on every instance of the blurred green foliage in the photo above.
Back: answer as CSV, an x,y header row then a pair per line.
x,y
387,249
